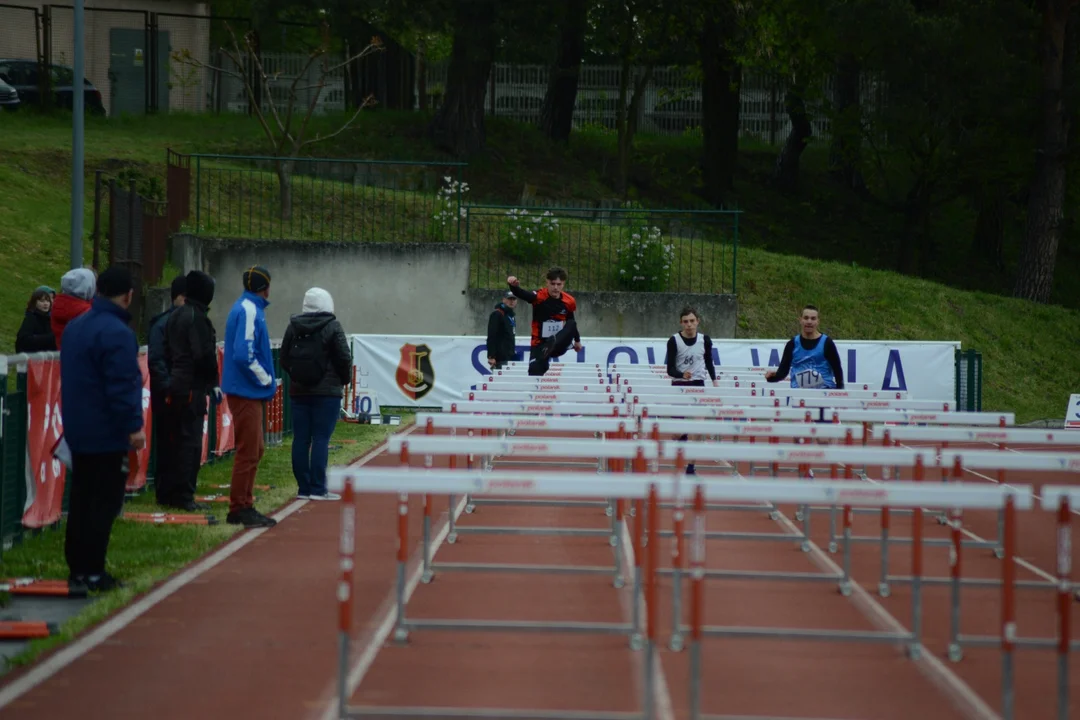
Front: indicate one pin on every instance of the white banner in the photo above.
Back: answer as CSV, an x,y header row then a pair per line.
x,y
429,370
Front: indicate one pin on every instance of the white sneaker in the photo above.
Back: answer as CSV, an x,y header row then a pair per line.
x,y
327,496
302,497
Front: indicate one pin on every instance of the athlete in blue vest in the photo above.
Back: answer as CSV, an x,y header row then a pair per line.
x,y
810,358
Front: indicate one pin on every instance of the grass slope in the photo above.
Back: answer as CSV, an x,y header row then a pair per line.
x,y
1030,351
143,555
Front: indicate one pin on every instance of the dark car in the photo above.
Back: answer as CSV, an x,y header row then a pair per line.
x,y
9,97
23,75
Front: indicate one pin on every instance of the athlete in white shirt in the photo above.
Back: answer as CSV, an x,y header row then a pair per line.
x,y
690,358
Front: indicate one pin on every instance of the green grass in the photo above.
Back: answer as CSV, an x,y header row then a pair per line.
x,y
816,246
143,555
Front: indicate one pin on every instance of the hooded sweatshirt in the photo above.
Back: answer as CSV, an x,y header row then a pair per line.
x,y
77,288
191,344
317,318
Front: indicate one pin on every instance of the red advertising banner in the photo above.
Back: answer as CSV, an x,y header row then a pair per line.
x,y
139,461
45,475
226,437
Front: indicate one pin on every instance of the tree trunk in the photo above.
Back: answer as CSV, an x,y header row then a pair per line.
x,y
1043,226
557,112
844,151
912,255
421,74
458,126
786,175
284,174
720,105
988,242
627,120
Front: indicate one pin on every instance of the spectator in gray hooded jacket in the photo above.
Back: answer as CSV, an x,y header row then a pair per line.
x,y
316,354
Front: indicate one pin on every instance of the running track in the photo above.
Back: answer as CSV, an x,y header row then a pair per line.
x,y
250,630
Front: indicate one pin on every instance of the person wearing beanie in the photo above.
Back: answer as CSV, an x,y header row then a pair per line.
x,y
76,293
247,379
316,354
155,355
190,346
502,332
101,406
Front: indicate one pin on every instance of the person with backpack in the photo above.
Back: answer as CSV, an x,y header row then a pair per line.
x,y
315,353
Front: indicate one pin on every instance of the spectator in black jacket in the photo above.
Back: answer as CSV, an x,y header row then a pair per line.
x,y
35,334
316,354
191,354
155,350
501,333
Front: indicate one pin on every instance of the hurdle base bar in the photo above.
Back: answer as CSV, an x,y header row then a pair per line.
x,y
443,713
1021,643
511,530
171,519
761,575
39,588
481,501
520,626
765,633
524,568
26,629
990,583
730,535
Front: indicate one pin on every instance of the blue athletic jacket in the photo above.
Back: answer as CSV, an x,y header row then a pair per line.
x,y
101,386
248,367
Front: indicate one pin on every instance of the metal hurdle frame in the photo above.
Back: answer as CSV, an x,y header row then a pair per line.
x,y
637,486
405,481
888,494
617,450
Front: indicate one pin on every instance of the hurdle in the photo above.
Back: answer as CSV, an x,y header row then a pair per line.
x,y
649,488
620,450
885,495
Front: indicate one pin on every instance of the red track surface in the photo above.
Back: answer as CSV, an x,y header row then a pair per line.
x,y
255,635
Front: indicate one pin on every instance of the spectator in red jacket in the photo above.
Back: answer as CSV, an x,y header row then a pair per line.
x,y
76,293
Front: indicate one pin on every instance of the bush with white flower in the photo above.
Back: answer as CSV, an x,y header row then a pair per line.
x,y
644,260
449,209
528,238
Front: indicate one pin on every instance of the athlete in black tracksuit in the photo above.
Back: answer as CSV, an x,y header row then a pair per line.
x,y
501,332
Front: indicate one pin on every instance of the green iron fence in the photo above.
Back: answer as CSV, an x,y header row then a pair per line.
x,y
13,437
318,199
620,249
628,247
969,379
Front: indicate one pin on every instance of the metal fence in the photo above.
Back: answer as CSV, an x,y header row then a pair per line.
x,y
314,198
14,431
627,248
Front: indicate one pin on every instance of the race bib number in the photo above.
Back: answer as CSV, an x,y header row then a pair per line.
x,y
551,327
809,379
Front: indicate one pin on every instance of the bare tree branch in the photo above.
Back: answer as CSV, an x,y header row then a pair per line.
x,y
368,102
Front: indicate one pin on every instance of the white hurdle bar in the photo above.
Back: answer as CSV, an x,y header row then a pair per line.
x,y
650,488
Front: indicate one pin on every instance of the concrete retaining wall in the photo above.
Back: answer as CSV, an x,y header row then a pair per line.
x,y
420,288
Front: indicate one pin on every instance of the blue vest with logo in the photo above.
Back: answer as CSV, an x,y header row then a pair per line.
x,y
809,368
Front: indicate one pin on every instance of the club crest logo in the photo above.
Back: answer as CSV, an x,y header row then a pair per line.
x,y
415,373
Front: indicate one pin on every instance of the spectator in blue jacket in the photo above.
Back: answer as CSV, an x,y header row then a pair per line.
x,y
101,405
247,379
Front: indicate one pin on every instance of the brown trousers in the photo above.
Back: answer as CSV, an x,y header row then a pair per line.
x,y
247,417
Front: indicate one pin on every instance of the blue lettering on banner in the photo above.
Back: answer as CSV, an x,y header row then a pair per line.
x,y
715,357
851,365
482,369
651,355
615,351
774,357
896,364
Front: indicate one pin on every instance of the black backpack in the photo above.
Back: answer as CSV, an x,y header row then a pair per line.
x,y
307,358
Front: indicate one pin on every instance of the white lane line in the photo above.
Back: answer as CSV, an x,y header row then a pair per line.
x,y
84,644
966,699
387,616
663,693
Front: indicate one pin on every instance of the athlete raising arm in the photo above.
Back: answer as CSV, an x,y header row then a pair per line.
x,y
554,328
810,357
